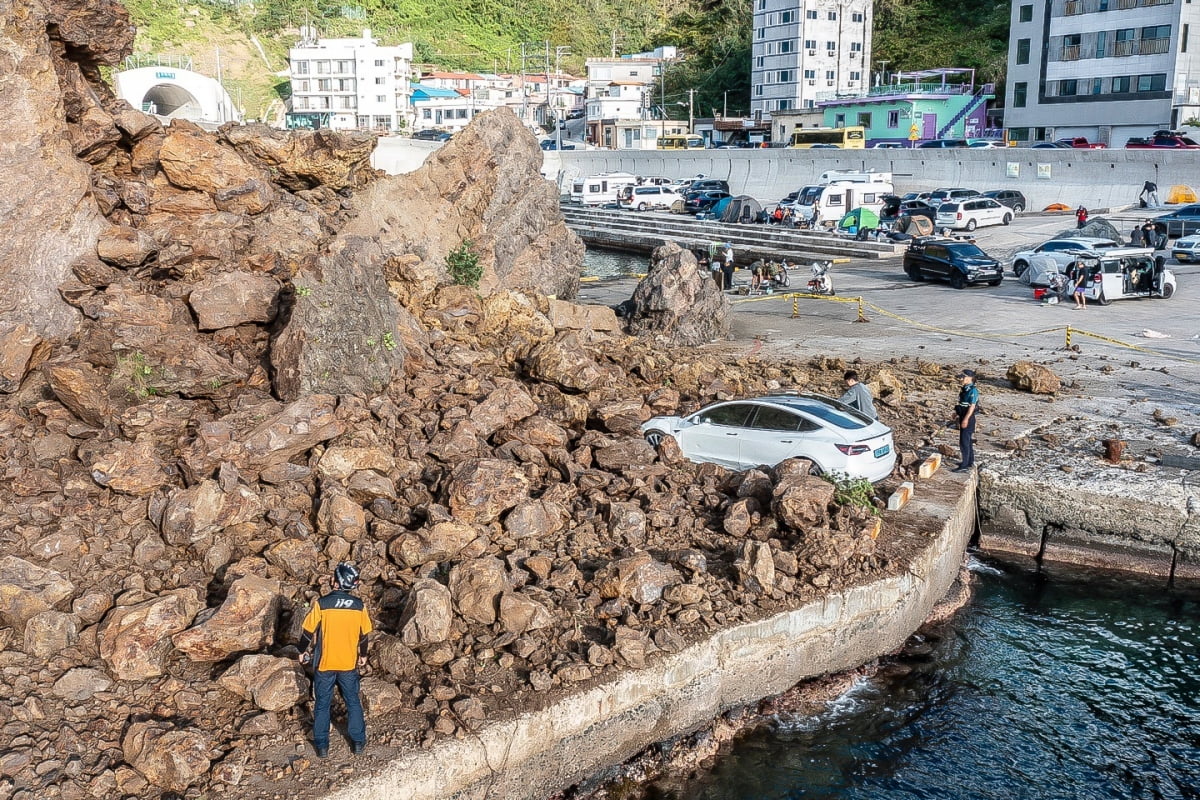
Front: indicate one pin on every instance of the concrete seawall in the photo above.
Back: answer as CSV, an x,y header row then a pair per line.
x,y
1096,178
1113,523
538,753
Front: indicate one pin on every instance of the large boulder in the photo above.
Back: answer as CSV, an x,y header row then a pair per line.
x,y
480,491
640,578
27,590
48,212
476,586
677,302
170,758
428,614
301,160
484,186
270,682
135,639
191,159
199,511
1030,377
244,622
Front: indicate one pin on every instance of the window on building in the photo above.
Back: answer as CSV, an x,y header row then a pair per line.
x,y
426,113
857,16
839,120
348,66
864,119
1026,13
761,33
1022,51
324,85
770,48
758,90
787,16
1096,82
1157,32
811,74
762,5
856,47
322,67
760,62
856,76
348,102
893,118
831,46
785,76
1125,35
300,67
832,16
1183,37
1020,89
784,105
1121,84
1152,83
830,74
1067,88
787,46
462,113
380,81
811,44
1101,42
381,98
810,14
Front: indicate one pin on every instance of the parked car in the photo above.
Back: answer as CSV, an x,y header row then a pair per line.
x,y
1182,221
923,196
577,113
743,434
695,202
1008,197
1163,140
1126,272
972,213
889,146
961,263
825,146
939,143
552,144
1081,143
1062,250
1186,249
432,135
644,198
894,207
939,196
1050,146
987,143
708,184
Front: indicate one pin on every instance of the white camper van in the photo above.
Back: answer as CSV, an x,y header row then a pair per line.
x,y
843,194
599,189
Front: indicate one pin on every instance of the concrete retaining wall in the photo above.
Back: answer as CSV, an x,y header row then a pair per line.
x,y
539,753
1112,524
1095,178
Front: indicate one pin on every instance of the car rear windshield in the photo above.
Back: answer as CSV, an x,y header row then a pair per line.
x,y
847,419
948,208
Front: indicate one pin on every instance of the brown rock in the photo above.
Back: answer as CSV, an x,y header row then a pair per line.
x,y
202,510
427,614
170,758
625,453
756,568
50,632
627,523
684,594
587,319
537,519
301,160
476,586
27,590
82,389
440,542
803,502
341,516
340,462
506,404
564,362
135,639
125,246
394,657
245,621
480,491
520,614
80,684
677,302
639,578
131,468
228,299
192,160
300,558
1030,377
739,517
623,416
21,350
272,684
381,697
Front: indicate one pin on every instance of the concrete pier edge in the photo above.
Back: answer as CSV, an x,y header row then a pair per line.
x,y
538,753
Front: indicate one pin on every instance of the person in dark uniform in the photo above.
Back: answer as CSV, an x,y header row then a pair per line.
x,y
336,629
964,412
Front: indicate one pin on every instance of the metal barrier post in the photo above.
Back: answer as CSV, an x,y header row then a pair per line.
x,y
861,316
1068,337
795,306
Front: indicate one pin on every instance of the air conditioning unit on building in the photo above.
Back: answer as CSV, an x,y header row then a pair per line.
x,y
853,53
829,83
812,83
812,52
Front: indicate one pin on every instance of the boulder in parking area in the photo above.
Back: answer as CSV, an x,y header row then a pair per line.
x,y
1030,377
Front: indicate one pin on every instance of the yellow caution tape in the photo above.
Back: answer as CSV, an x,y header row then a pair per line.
x,y
1119,343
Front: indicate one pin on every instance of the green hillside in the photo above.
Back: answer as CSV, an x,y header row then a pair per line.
x,y
251,38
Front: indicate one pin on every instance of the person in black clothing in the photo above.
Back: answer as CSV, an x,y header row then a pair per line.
x,y
964,412
1149,195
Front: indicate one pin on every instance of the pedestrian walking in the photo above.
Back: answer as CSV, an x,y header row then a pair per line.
x,y
334,641
727,268
1149,195
964,411
858,395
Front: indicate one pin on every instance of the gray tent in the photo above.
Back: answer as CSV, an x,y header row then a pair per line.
x,y
1040,271
743,208
1097,227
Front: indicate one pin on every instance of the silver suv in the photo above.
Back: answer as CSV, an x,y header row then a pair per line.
x,y
939,196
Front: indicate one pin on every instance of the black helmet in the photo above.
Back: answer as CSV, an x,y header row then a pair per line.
x,y
345,575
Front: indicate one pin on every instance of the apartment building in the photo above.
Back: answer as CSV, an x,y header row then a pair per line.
x,y
625,89
350,83
1104,69
805,48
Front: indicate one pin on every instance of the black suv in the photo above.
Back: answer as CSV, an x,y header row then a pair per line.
x,y
708,185
1008,197
954,260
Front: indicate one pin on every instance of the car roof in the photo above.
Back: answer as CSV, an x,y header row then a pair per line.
x,y
809,403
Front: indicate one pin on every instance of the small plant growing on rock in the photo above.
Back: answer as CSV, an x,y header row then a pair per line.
x,y
850,491
463,265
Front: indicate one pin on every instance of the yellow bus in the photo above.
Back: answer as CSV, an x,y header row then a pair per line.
x,y
690,141
853,137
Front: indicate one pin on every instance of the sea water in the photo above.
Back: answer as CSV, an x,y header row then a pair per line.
x,y
1046,686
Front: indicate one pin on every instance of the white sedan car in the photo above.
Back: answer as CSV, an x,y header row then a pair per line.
x,y
1062,251
1186,249
742,434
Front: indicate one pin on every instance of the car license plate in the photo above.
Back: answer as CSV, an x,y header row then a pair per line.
x,y
880,452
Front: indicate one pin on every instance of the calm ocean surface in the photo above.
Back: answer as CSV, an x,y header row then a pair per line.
x,y
1069,686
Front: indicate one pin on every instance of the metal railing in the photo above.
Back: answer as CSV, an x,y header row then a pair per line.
x,y
138,60
1127,47
1070,52
1075,7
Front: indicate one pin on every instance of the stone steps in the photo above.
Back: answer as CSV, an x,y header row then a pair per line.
x,y
626,230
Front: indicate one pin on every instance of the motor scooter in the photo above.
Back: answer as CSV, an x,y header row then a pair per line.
x,y
821,281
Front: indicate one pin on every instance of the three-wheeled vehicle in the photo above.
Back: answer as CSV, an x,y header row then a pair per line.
x,y
1125,272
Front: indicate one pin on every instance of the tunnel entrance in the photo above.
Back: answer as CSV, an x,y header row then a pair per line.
x,y
170,100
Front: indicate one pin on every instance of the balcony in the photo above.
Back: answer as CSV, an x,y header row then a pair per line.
x,y
1075,7
1152,47
1070,52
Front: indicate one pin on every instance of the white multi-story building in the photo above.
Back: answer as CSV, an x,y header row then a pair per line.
x,y
1104,69
350,83
625,89
805,48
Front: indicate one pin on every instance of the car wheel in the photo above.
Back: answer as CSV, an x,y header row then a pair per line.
x,y
958,280
914,274
1019,268
655,438
1102,300
970,224
1167,291
1007,218
1018,208
641,206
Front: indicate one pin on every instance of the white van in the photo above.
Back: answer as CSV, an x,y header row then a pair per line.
x,y
839,197
596,190
646,197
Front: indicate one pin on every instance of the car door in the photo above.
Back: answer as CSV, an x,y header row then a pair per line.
x,y
773,435
992,211
937,261
716,434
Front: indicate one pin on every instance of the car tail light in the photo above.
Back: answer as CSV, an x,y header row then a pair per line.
x,y
853,449
958,215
